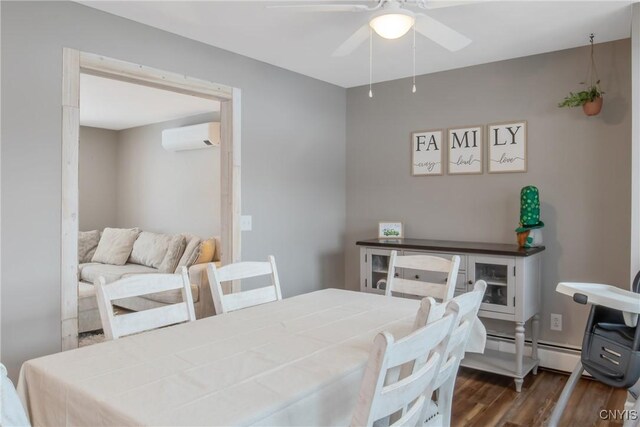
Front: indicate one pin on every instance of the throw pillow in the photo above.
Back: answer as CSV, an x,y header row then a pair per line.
x,y
87,244
175,249
207,251
191,252
115,245
150,249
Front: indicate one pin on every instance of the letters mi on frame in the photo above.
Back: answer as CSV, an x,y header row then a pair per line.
x,y
465,147
507,147
426,152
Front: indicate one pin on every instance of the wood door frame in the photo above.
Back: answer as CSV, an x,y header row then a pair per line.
x,y
76,62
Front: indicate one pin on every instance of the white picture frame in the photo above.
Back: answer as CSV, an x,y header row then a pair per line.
x,y
390,230
507,147
427,153
465,147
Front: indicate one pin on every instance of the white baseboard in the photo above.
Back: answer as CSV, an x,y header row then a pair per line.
x,y
551,356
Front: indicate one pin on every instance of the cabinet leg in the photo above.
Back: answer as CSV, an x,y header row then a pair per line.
x,y
535,333
519,347
518,382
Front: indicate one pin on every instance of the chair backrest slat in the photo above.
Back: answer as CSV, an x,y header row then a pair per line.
x,y
243,270
424,262
443,291
243,299
421,289
381,397
153,318
144,284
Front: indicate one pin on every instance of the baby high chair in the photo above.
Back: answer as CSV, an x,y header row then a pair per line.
x,y
611,344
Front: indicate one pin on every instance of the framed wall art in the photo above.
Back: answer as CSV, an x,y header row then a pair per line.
x,y
390,230
426,153
507,147
465,147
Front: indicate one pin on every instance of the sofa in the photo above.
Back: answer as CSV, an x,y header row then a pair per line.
x,y
119,253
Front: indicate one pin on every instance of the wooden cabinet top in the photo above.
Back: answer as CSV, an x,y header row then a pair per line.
x,y
452,246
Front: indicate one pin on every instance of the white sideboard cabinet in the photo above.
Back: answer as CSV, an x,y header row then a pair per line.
x,y
513,290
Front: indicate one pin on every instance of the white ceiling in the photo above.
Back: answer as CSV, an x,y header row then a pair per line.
x,y
303,41
116,105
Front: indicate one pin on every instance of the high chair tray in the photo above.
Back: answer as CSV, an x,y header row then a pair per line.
x,y
605,295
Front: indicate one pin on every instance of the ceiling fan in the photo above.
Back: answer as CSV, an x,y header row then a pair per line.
x,y
392,19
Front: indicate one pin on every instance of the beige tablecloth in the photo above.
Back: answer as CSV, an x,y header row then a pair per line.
x,y
293,362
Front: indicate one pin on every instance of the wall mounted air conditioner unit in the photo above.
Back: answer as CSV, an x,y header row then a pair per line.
x,y
204,135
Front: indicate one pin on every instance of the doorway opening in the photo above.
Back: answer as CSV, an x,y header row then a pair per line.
x,y
89,72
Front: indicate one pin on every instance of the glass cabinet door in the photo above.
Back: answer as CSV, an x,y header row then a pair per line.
x,y
377,263
499,273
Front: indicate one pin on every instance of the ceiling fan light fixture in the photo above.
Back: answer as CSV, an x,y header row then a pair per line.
x,y
392,25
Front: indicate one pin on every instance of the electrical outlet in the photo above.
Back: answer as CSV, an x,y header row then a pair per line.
x,y
556,322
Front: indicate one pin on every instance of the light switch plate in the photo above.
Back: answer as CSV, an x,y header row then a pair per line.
x,y
245,223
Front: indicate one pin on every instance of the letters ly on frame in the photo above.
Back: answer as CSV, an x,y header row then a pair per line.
x,y
426,153
507,147
465,150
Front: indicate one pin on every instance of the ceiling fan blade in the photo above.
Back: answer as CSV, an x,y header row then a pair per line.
x,y
353,42
438,32
322,7
438,4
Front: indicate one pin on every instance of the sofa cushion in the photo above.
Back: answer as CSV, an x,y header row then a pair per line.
x,y
175,249
87,244
111,273
191,252
115,245
150,249
207,251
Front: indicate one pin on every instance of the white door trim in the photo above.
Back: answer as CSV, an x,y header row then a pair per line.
x,y
75,62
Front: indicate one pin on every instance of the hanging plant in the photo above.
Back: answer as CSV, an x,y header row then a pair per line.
x,y
591,98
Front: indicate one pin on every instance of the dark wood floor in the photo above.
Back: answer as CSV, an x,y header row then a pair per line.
x,y
484,400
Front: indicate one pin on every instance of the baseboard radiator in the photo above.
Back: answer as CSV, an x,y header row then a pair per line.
x,y
552,356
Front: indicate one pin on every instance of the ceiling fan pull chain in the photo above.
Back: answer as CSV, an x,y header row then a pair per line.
x,y
414,60
370,62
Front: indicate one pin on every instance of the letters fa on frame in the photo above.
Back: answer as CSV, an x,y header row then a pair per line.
x,y
426,153
507,147
465,148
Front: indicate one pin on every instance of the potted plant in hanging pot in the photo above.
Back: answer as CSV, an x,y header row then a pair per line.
x,y
590,99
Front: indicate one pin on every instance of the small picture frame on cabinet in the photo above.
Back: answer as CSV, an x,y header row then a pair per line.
x,y
390,230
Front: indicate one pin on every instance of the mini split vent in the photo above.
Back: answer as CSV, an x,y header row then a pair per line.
x,y
204,135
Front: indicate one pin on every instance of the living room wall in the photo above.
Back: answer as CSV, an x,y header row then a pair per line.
x,y
167,192
97,178
286,117
127,179
580,164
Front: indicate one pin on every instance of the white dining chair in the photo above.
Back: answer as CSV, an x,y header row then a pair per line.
x,y
382,395
425,263
11,411
143,284
225,303
465,307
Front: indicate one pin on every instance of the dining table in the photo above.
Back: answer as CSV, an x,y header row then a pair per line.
x,y
297,361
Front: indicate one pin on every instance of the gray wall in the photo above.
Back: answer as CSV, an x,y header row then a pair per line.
x,y
293,158
581,166
98,163
164,191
